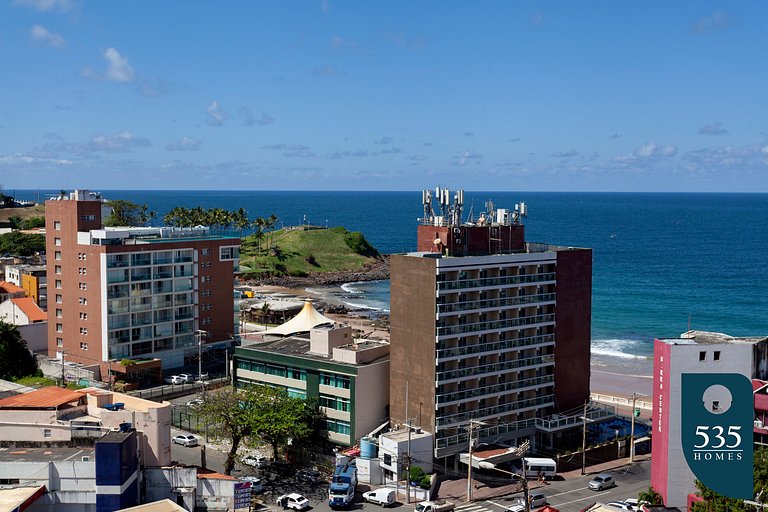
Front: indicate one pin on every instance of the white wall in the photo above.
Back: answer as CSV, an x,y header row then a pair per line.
x,y
371,397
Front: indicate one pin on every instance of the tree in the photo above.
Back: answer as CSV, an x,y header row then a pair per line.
x,y
651,496
16,360
126,213
21,244
256,413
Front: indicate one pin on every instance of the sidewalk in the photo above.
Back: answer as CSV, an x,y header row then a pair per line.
x,y
456,490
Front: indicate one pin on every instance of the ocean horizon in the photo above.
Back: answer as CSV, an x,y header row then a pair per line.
x,y
662,262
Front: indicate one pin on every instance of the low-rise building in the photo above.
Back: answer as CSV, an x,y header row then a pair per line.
x,y
22,311
60,417
10,291
32,279
395,445
349,377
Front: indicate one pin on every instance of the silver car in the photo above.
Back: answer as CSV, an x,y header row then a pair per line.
x,y
602,481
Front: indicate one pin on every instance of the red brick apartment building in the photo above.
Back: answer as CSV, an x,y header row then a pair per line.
x,y
488,327
133,292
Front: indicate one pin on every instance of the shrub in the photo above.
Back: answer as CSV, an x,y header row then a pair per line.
x,y
297,273
357,242
426,482
416,474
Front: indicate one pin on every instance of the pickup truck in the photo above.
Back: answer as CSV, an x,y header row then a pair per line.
x,y
435,506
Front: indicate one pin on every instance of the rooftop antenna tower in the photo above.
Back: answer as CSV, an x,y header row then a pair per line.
x,y
426,201
458,206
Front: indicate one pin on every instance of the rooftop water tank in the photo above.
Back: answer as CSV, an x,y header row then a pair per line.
x,y
367,448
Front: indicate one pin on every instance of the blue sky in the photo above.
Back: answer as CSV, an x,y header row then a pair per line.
x,y
325,94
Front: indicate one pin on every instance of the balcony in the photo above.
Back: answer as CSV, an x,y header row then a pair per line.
x,y
162,275
489,282
182,272
183,259
484,432
493,369
494,325
497,410
495,303
496,347
144,275
518,385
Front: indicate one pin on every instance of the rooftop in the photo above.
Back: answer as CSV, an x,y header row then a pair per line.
x,y
19,498
147,235
30,308
165,505
299,346
6,287
43,398
46,454
711,338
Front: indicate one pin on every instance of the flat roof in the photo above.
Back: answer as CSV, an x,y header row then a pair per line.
x,y
19,498
299,346
711,338
165,505
50,396
46,454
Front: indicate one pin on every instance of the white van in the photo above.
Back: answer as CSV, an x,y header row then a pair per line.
x,y
383,497
536,467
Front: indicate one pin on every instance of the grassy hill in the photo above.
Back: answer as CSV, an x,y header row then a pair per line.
x,y
23,213
300,252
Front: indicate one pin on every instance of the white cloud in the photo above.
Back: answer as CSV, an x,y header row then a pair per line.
x,y
19,158
714,23
184,144
42,34
45,5
565,154
118,68
117,142
466,156
324,6
216,115
249,119
328,70
651,149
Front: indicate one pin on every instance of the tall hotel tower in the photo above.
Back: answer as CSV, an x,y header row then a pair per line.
x,y
133,292
487,327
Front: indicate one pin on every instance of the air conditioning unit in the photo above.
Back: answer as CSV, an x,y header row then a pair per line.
x,y
86,458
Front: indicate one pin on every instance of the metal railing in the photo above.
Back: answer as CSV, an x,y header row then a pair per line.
x,y
487,412
495,303
494,325
442,399
496,347
495,368
461,284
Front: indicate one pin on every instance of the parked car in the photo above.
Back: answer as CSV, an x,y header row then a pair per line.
x,y
537,499
256,485
282,466
187,377
383,497
619,505
255,461
635,503
194,402
186,440
174,379
203,376
602,481
294,500
309,476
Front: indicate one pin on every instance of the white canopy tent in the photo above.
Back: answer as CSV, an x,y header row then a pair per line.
x,y
304,321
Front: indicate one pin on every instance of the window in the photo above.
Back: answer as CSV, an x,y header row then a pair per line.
x,y
205,321
207,279
88,218
59,328
205,264
58,299
337,381
59,342
715,405
387,459
205,252
83,316
58,313
83,345
229,253
339,427
81,256
83,301
716,357
84,331
58,284
57,241
57,255
57,269
206,293
47,433
57,225
82,271
702,356
82,286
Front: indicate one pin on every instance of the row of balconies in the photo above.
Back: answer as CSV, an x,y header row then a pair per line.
x,y
518,406
443,399
494,347
495,303
495,325
143,260
488,282
495,368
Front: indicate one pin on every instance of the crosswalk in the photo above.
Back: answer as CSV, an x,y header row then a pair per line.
x,y
475,507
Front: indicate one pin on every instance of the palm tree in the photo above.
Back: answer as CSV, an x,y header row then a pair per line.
x,y
241,220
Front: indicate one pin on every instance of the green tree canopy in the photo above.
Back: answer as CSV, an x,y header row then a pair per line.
x,y
257,413
16,360
21,244
127,213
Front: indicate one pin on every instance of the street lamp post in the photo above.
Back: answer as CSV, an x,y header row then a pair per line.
x,y
632,430
200,333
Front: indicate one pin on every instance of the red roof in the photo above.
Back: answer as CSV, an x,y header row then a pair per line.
x,y
42,398
6,287
207,473
31,309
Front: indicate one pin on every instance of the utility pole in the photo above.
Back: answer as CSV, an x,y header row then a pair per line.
x,y
584,440
63,382
200,333
523,449
632,431
469,462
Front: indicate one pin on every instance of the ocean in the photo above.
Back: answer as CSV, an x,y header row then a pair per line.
x,y
662,262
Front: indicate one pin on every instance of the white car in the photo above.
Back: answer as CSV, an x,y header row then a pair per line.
x,y
194,402
635,503
174,379
186,440
294,500
187,377
619,505
255,461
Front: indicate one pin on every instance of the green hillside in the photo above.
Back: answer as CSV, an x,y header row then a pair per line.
x,y
299,252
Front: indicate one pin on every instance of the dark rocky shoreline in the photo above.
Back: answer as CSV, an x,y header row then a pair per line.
x,y
376,271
